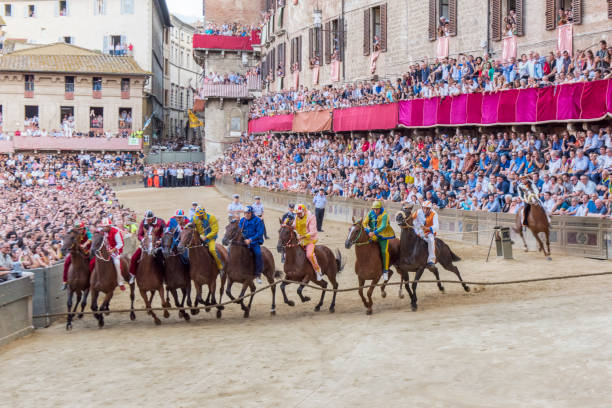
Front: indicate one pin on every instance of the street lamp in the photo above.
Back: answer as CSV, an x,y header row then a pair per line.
x,y
317,16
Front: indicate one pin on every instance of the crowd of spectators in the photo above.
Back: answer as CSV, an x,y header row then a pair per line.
x,y
225,79
178,175
228,29
43,195
462,171
446,77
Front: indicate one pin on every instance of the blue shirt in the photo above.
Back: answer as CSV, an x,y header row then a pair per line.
x,y
252,229
319,201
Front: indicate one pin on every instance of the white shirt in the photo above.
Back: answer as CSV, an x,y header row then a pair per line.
x,y
419,222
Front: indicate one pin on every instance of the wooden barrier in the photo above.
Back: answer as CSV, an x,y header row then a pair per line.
x,y
16,308
589,237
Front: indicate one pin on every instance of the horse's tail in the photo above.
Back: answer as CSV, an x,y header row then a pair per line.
x,y
454,256
278,274
339,261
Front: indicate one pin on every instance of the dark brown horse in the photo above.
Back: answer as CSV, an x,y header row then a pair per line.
x,y
537,222
240,267
150,277
298,267
202,267
176,274
104,277
368,265
78,274
414,252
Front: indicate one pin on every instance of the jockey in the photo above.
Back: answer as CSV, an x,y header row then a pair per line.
x,y
378,228
306,226
253,232
149,226
175,226
528,191
114,238
85,246
425,222
208,228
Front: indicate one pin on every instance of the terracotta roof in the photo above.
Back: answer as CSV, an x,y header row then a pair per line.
x,y
78,64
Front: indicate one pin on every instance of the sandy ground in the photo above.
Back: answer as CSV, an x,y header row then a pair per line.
x,y
542,344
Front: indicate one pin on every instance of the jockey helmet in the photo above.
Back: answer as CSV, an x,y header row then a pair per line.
x,y
249,209
376,205
79,225
106,222
300,209
426,204
149,214
200,212
179,213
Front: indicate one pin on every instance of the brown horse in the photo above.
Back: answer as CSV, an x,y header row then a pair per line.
x,y
202,267
368,265
298,267
240,267
413,254
176,274
78,274
537,222
104,277
150,277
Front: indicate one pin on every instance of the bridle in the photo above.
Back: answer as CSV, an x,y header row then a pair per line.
x,y
194,237
98,251
356,241
233,239
292,235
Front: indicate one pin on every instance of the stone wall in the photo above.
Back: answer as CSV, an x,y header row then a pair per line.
x,y
580,236
241,11
16,308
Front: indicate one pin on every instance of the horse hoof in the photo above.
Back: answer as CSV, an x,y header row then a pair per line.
x,y
106,313
218,314
332,309
221,307
157,322
383,294
401,296
317,308
273,312
466,288
369,312
100,324
290,303
548,258
166,314
305,299
68,326
207,309
246,314
442,289
132,316
414,308
186,316
195,311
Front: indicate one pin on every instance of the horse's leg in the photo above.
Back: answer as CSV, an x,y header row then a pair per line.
x,y
69,306
299,292
540,243
519,230
273,289
334,282
399,272
106,304
547,233
221,288
147,300
284,292
418,275
455,270
83,303
185,293
370,291
323,284
94,307
212,287
132,298
176,301
198,298
165,301
248,310
406,279
382,288
245,285
363,299
436,273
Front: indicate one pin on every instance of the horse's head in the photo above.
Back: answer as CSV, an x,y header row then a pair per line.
x,y
166,243
286,235
233,233
356,233
404,217
97,242
189,237
70,240
147,244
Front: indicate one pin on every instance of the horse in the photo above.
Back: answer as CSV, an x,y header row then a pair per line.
x,y
78,274
298,268
150,277
202,267
368,265
176,275
104,277
537,222
240,267
414,253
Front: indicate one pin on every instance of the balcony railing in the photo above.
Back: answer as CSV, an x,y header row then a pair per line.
x,y
224,91
254,82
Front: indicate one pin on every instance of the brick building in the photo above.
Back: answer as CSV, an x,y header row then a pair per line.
x,y
407,32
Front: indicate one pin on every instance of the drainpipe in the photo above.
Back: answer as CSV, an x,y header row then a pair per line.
x,y
343,42
489,27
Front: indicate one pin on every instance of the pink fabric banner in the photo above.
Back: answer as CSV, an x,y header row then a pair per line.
x,y
315,75
280,123
223,42
474,108
442,47
506,107
565,36
373,59
430,111
527,105
444,111
593,101
458,115
547,104
509,48
568,102
335,71
366,118
490,103
255,37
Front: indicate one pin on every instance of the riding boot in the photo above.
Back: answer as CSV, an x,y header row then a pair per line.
x,y
385,276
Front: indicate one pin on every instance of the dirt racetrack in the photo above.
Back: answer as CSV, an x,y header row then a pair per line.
x,y
531,345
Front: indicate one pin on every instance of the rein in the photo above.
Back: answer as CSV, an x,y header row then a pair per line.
x,y
193,238
288,243
356,243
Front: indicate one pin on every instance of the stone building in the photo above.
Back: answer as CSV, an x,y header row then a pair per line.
x,y
114,27
184,73
407,32
61,87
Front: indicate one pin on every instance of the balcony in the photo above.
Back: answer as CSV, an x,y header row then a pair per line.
x,y
97,94
125,94
224,91
226,42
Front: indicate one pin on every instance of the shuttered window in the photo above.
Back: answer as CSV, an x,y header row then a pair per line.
x,y
452,16
299,52
272,64
327,42
551,14
577,11
383,27
433,20
520,17
311,41
366,32
609,8
496,20
340,39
